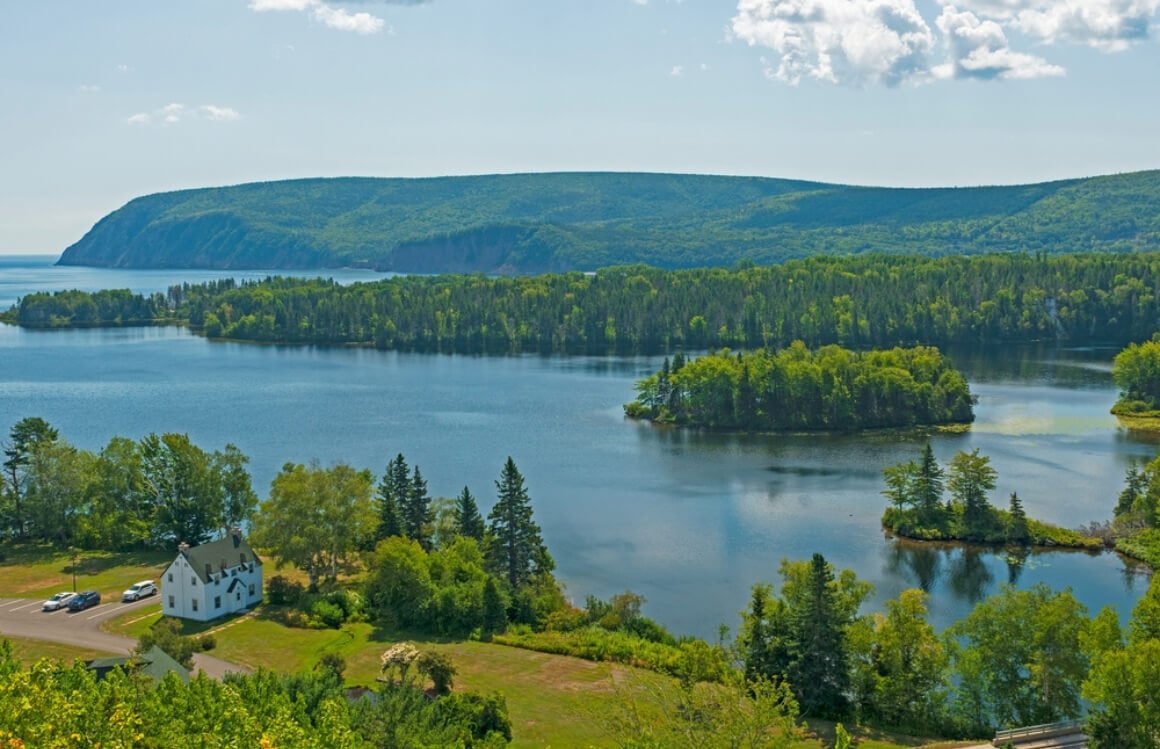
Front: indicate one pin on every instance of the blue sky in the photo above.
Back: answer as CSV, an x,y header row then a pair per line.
x,y
104,101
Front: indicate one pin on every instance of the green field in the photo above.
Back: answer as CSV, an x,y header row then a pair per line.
x,y
38,572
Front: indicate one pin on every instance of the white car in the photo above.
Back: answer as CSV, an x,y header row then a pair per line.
x,y
58,601
139,590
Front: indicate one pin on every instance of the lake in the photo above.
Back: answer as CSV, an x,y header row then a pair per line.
x,y
688,519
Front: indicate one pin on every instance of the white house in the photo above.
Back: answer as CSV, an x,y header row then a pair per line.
x,y
212,580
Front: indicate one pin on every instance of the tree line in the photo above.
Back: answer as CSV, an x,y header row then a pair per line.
x,y
797,389
858,301
151,493
1021,657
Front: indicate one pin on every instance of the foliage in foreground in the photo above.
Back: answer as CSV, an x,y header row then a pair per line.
x,y
53,704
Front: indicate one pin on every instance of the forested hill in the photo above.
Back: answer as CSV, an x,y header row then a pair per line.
x,y
531,223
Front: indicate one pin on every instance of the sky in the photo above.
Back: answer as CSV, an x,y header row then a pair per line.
x,y
101,102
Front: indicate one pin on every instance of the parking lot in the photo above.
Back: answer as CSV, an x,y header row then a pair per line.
x,y
22,617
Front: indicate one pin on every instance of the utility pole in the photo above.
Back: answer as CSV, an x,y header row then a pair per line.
x,y
75,561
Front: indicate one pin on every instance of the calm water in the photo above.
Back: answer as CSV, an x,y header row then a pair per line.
x,y
690,520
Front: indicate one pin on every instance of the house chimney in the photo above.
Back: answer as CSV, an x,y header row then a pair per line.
x,y
183,549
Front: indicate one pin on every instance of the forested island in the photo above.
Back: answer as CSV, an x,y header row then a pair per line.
x,y
381,549
916,489
1136,371
796,389
862,301
532,223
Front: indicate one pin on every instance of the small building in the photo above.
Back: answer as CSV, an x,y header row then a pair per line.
x,y
212,580
154,663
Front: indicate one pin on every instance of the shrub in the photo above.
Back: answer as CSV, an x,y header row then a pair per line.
x,y
206,642
283,592
328,614
566,619
438,668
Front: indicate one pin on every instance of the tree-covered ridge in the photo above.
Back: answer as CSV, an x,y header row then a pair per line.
x,y
797,389
530,223
858,301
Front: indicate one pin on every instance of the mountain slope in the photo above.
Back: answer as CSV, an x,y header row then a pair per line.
x,y
550,222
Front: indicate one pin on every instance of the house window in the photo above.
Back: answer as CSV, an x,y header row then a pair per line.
x,y
217,602
170,577
193,602
251,589
239,595
193,580
171,602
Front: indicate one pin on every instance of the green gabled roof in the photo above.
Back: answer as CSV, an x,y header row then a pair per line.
x,y
229,551
154,662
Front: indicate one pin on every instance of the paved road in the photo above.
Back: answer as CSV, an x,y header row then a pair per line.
x,y
22,617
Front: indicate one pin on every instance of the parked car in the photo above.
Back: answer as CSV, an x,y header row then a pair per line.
x,y
58,601
139,590
83,600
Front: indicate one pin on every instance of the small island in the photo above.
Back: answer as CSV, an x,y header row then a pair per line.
x,y
797,389
1136,371
915,489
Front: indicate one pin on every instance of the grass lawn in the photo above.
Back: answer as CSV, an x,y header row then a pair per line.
x,y
30,651
35,571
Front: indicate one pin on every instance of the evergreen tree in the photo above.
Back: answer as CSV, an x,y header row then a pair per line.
x,y
515,551
467,518
494,610
415,511
928,486
759,637
819,671
1017,531
392,490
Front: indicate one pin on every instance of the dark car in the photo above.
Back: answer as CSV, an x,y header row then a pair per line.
x,y
84,600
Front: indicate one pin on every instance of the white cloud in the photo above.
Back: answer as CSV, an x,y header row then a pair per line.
x,y
859,42
1107,25
979,49
840,41
329,15
171,113
677,71
218,114
337,18
175,112
123,68
86,88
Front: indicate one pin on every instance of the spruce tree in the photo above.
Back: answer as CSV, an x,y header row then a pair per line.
x,y
819,670
415,510
392,491
928,486
468,521
515,552
1017,530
